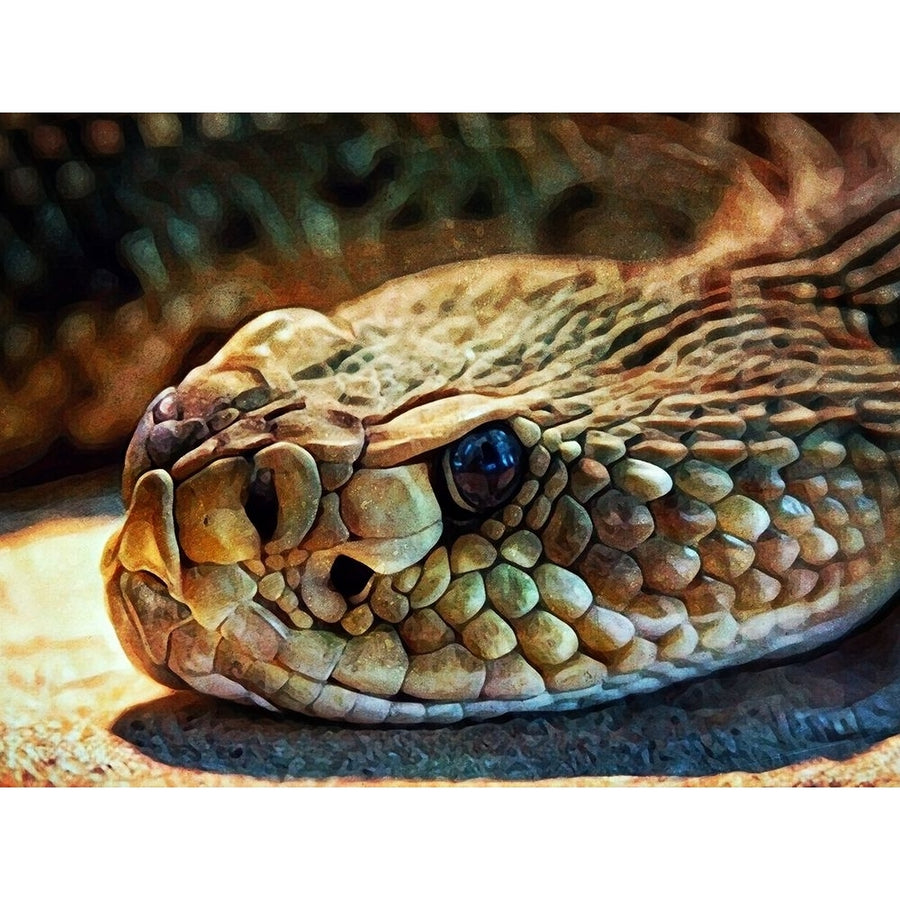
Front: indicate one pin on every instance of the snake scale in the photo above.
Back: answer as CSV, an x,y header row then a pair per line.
x,y
528,483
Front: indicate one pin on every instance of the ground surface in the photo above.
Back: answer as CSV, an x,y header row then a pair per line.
x,y
75,712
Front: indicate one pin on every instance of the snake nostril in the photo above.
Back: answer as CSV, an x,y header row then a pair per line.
x,y
349,577
261,505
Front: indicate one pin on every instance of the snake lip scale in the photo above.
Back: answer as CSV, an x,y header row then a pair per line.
x,y
704,474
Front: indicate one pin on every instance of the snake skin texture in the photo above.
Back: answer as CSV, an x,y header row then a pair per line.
x,y
708,473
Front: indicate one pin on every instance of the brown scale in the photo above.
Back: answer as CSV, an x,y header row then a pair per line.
x,y
756,588
777,550
603,571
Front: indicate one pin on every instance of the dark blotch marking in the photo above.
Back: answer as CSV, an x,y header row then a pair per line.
x,y
343,188
408,216
237,231
252,398
557,228
481,203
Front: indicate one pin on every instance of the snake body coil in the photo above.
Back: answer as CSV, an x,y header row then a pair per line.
x,y
706,474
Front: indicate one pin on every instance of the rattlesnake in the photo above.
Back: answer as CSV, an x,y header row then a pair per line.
x,y
525,483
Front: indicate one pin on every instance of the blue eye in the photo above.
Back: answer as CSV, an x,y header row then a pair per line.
x,y
484,468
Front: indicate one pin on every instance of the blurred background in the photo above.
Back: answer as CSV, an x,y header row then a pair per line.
x,y
132,246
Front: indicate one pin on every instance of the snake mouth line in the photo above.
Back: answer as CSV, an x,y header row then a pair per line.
x,y
332,700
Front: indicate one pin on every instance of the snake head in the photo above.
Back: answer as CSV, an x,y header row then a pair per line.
x,y
472,494
301,559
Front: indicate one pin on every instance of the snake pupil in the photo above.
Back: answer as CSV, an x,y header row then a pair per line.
x,y
484,467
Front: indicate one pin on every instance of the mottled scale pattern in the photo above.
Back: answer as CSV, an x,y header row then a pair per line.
x,y
705,482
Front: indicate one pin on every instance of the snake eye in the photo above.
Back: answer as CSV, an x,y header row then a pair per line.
x,y
483,469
